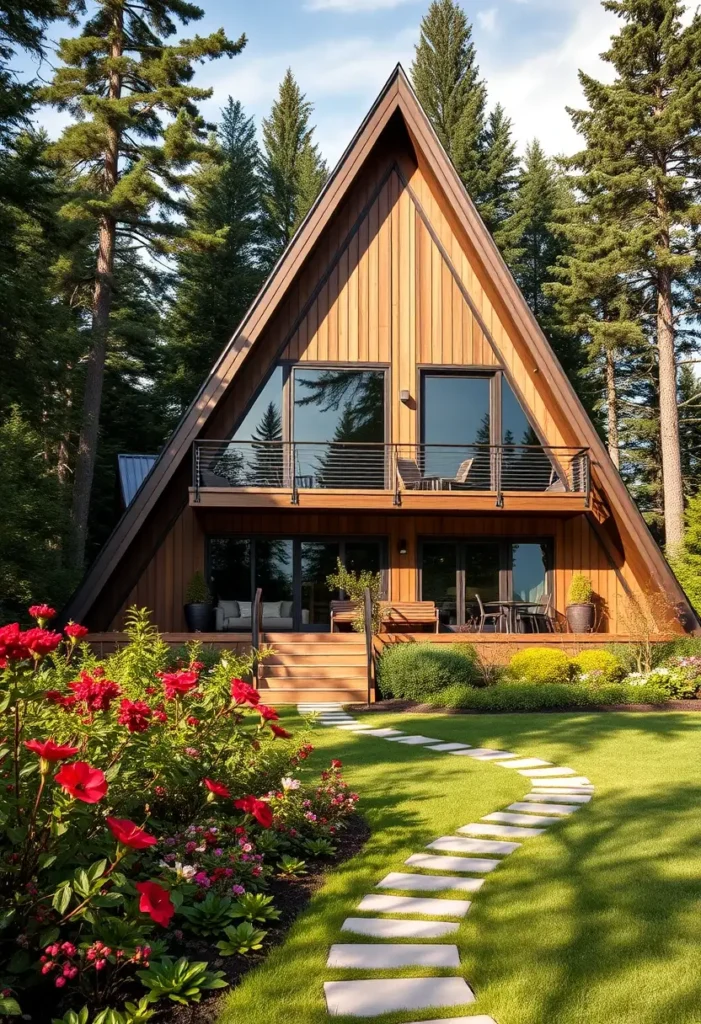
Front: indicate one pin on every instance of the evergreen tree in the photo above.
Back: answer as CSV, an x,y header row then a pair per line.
x,y
293,172
642,136
215,287
120,79
500,178
447,81
687,561
267,467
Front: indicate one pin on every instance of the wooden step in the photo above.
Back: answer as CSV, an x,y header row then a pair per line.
x,y
325,671
330,658
357,696
311,682
318,650
314,638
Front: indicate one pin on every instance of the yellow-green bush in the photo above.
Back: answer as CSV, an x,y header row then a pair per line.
x,y
599,666
540,666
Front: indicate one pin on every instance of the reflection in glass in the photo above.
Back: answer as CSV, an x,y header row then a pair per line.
x,y
318,562
438,580
230,569
529,470
529,572
362,556
260,462
273,570
342,411
482,575
456,411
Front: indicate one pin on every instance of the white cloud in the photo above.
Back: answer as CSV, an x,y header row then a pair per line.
x,y
351,6
487,20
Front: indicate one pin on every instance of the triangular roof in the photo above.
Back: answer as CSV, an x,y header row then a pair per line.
x,y
396,98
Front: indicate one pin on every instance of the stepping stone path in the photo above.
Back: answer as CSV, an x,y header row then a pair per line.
x,y
557,793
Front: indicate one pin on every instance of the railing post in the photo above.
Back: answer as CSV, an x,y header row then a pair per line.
x,y
395,471
196,469
369,648
498,463
256,630
293,466
586,478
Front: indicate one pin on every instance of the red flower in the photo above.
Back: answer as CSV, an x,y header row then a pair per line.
x,y
135,714
75,632
40,641
129,834
82,782
267,714
56,697
242,693
176,683
42,612
191,720
160,715
11,646
281,733
156,902
258,808
50,751
216,788
336,763
97,694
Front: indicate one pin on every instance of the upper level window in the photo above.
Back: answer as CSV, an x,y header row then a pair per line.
x,y
263,421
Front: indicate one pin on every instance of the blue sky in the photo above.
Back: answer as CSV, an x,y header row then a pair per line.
x,y
341,51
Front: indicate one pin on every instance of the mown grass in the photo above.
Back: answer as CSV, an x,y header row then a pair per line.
x,y
596,921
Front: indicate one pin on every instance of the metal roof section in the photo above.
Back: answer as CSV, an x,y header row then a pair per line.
x,y
133,470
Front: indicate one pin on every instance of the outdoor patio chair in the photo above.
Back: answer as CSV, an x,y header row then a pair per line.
x,y
411,476
461,476
496,619
539,619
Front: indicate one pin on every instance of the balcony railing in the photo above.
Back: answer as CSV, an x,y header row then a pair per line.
x,y
308,465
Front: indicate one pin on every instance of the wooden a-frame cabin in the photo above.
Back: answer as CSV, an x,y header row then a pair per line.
x,y
389,399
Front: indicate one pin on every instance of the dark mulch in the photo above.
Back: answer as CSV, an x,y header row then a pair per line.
x,y
411,707
291,898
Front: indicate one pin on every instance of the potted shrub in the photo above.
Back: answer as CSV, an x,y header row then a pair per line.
x,y
199,611
580,607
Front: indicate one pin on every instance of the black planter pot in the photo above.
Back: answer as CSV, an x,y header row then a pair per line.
x,y
199,618
580,618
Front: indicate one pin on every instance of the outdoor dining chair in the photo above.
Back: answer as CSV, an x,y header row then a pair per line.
x,y
496,619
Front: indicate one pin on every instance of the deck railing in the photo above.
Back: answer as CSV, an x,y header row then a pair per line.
x,y
308,465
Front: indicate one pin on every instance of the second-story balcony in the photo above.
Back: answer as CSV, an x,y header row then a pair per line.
x,y
417,476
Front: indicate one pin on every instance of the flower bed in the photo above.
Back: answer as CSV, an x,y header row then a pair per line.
x,y
145,807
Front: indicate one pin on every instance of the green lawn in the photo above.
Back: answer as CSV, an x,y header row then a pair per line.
x,y
599,921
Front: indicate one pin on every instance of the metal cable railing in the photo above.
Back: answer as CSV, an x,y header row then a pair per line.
x,y
336,465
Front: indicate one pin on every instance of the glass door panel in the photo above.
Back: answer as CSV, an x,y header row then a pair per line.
x,y
274,575
529,572
230,569
318,560
482,576
456,411
439,580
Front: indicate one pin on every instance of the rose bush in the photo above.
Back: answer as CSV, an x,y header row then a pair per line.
x,y
139,800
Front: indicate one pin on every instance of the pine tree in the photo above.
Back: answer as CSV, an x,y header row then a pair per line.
x,y
687,561
267,466
215,287
120,79
642,133
500,177
293,172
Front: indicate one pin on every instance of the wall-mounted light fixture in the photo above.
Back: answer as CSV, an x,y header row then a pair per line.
x,y
402,547
405,396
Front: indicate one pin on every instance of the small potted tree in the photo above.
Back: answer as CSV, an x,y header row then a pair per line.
x,y
199,612
580,607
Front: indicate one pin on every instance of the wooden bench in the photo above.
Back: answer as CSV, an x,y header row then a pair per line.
x,y
394,613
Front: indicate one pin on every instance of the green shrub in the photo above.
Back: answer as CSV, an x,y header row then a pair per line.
x,y
540,666
548,697
414,671
197,591
580,589
600,667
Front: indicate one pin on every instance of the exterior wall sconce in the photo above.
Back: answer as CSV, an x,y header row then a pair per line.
x,y
405,397
402,547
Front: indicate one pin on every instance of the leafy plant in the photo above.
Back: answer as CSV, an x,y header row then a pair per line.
x,y
197,591
9,1007
255,906
526,697
354,585
540,666
211,916
180,981
599,667
414,671
320,847
291,867
581,589
241,939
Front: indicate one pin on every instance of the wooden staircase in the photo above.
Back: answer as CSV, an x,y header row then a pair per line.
x,y
314,667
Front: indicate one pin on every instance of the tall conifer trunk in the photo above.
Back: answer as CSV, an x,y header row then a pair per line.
x,y
672,481
101,307
612,409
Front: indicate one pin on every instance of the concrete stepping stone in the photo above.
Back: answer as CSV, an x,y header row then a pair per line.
x,y
544,808
386,928
459,844
354,726
561,796
428,883
385,995
525,762
505,818
543,773
507,831
459,1020
423,905
376,956
483,754
572,782
412,741
384,733
478,865
450,746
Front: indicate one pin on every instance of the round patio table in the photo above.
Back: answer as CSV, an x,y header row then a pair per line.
x,y
511,608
